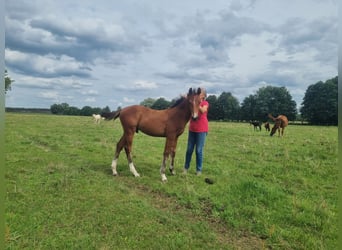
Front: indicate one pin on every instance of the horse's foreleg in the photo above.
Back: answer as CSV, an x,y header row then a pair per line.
x,y
130,162
166,156
173,154
163,167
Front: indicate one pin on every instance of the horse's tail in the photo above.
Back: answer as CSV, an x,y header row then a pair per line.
x,y
271,117
111,115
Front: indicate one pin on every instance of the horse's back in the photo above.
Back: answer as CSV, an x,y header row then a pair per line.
x,y
149,121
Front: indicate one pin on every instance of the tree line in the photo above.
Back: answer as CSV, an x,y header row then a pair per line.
x,y
65,109
319,106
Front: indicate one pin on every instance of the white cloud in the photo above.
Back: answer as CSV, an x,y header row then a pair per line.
x,y
125,52
128,100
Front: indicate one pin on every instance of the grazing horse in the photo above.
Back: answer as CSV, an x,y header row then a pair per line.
x,y
169,123
97,118
256,125
280,122
267,126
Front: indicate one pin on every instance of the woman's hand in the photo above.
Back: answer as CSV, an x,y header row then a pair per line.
x,y
203,109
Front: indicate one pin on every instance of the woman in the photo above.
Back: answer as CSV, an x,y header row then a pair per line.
x,y
198,130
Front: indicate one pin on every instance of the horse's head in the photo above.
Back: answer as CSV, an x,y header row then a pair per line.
x,y
194,98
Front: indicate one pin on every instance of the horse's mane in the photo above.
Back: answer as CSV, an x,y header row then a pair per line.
x,y
177,102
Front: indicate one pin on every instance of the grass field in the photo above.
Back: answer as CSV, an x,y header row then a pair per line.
x,y
268,192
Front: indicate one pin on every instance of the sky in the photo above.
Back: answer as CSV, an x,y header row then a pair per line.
x,y
119,53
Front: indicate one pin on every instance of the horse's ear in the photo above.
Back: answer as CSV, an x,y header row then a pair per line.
x,y
199,91
190,91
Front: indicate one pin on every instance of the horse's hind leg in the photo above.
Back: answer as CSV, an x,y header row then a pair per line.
x,y
128,150
119,147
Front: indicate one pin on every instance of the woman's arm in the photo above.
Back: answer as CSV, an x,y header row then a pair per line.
x,y
203,108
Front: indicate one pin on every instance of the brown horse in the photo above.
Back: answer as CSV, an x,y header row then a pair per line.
x,y
280,122
169,123
267,126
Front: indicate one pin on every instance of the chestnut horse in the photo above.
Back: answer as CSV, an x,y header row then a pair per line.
x,y
280,122
267,126
169,123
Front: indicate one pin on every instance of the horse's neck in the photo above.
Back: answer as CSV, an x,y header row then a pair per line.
x,y
182,111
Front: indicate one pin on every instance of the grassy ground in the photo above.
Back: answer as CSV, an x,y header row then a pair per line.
x,y
268,192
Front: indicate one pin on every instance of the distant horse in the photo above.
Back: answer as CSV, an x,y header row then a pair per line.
x,y
169,123
97,118
256,125
267,126
280,122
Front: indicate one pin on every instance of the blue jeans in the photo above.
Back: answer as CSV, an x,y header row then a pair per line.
x,y
195,139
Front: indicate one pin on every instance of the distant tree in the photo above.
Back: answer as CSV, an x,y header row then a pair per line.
x,y
228,107
276,100
96,110
72,111
249,109
160,104
214,111
320,103
56,109
8,82
105,110
269,99
87,111
65,109
148,102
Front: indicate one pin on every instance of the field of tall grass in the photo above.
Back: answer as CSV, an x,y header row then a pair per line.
x,y
268,192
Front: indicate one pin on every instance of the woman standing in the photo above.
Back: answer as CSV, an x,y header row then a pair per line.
x,y
198,130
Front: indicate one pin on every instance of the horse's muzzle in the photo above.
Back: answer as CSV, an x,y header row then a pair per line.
x,y
194,116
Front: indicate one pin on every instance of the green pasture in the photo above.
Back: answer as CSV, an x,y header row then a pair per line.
x,y
268,192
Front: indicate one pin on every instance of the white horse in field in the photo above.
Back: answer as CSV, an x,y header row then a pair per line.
x,y
97,118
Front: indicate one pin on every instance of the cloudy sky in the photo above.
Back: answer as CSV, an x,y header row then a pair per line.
x,y
118,53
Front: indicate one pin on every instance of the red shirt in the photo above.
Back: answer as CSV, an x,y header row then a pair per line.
x,y
201,123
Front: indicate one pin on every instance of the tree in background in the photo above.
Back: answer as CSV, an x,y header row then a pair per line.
x,y
249,109
214,111
320,103
269,99
8,82
148,102
160,103
228,107
65,109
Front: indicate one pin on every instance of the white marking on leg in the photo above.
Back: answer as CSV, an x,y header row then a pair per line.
x,y
133,170
114,163
163,177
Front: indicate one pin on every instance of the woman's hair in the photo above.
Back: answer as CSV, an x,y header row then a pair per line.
x,y
204,92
